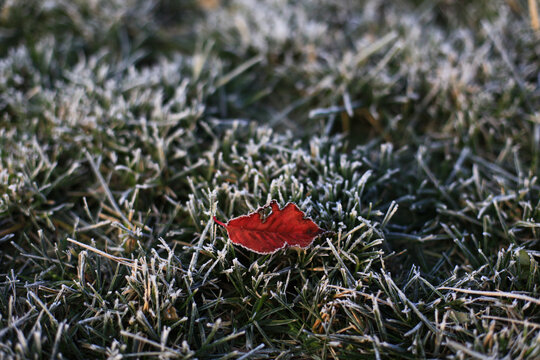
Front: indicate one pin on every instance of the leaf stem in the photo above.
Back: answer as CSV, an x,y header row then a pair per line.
x,y
219,222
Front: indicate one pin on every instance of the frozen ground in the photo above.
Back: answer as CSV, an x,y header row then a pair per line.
x,y
410,129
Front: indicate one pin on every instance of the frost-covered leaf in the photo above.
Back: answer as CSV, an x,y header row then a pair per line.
x,y
283,227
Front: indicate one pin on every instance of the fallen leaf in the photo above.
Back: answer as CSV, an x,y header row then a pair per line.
x,y
283,227
170,314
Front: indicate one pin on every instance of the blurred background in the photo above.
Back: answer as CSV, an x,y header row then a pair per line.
x,y
461,70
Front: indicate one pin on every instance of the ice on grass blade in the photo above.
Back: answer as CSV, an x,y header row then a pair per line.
x,y
283,227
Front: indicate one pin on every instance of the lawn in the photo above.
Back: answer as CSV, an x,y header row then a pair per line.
x,y
409,130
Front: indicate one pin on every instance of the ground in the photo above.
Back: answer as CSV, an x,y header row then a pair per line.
x,y
410,130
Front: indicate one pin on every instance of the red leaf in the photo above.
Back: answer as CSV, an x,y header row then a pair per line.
x,y
283,227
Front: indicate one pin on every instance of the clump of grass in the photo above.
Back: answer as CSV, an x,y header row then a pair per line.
x,y
409,130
